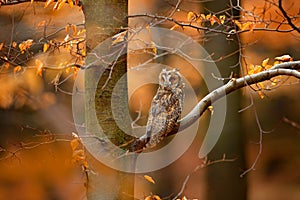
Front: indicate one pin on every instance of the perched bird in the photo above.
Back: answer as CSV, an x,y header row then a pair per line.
x,y
165,109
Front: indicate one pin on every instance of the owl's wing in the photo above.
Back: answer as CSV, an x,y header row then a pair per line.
x,y
155,118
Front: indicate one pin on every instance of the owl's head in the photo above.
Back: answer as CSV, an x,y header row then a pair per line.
x,y
170,79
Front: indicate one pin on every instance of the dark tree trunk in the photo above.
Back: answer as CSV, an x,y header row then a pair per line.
x,y
104,19
224,181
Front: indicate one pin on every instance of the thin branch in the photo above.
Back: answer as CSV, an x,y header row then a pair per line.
x,y
204,164
287,16
14,2
288,68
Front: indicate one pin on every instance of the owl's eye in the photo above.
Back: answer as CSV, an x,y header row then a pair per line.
x,y
172,79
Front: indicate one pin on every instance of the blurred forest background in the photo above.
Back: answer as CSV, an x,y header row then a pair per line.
x,y
38,159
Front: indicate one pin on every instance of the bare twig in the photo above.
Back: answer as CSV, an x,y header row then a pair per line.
x,y
287,16
205,163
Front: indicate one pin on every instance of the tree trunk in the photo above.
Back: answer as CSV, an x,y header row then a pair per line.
x,y
224,181
104,19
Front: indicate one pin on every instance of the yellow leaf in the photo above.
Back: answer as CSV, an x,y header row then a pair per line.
x,y
191,16
244,26
149,178
17,69
174,27
222,19
46,47
39,67
274,81
211,109
68,70
265,62
81,31
153,47
238,24
207,17
202,16
261,85
31,1
83,53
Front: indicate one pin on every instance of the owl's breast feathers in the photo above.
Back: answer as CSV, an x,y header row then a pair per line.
x,y
165,109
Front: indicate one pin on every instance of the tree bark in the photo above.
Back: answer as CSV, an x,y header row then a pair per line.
x,y
104,19
224,180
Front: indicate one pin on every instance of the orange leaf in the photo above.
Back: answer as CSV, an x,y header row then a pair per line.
x,y
39,67
70,3
25,45
153,197
67,28
1,46
7,65
42,23
31,1
75,69
48,2
17,69
213,19
61,4
74,28
14,44
261,94
149,178
284,58
74,144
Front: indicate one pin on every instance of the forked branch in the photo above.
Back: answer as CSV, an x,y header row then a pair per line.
x,y
287,68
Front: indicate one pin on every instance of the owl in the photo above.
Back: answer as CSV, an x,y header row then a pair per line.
x,y
166,107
